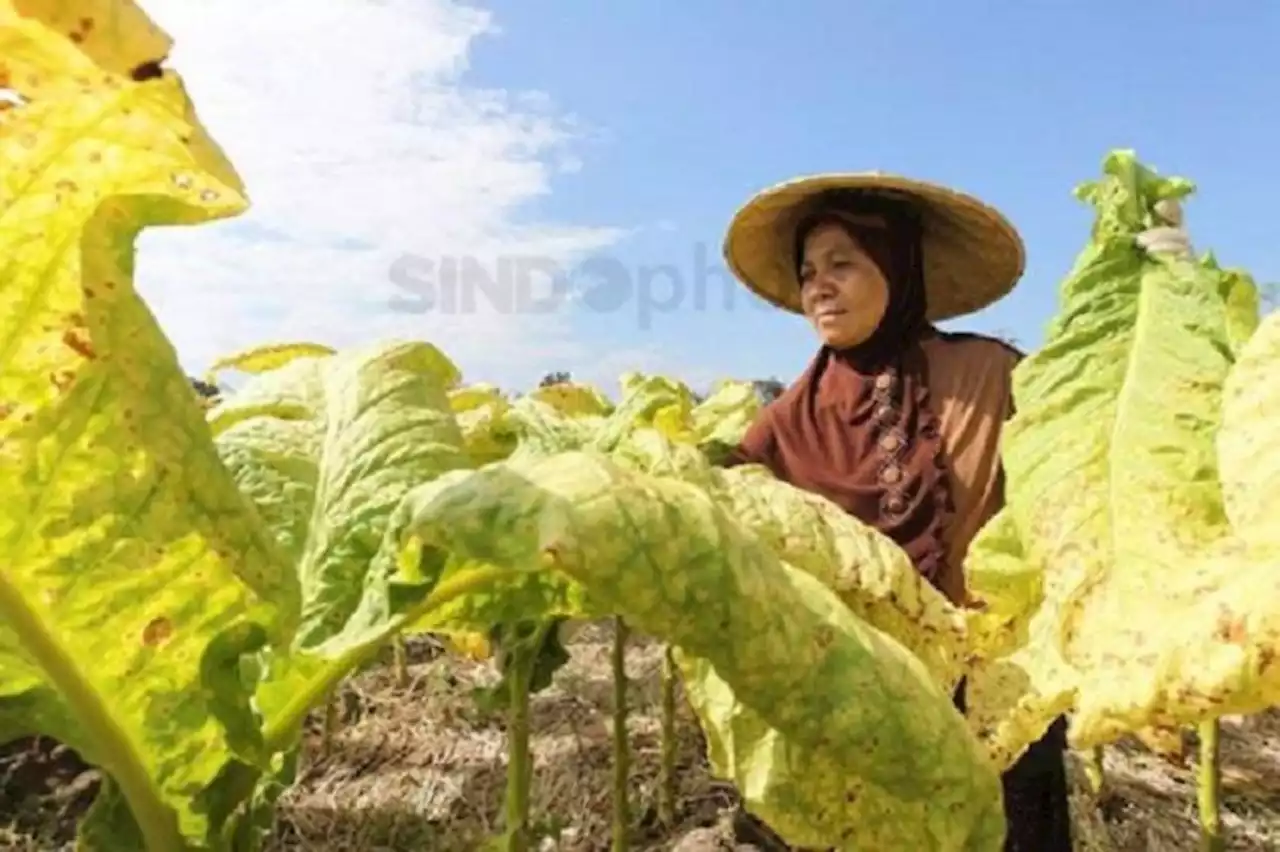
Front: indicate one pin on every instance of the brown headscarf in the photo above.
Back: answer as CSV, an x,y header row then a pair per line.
x,y
857,426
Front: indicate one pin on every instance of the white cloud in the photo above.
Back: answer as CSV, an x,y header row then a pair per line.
x,y
358,142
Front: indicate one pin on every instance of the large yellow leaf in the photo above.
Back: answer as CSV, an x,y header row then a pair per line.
x,y
842,737
1249,443
133,573
1116,587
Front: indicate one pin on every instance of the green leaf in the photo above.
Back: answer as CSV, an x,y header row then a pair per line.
x,y
866,569
541,428
481,413
528,643
1249,442
1244,304
326,448
647,402
725,415
1111,570
261,359
675,564
134,573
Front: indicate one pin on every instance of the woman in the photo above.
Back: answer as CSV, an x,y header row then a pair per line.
x,y
895,421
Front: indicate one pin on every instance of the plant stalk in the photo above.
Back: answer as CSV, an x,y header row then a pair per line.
x,y
621,745
401,661
1094,770
519,770
667,767
330,723
1210,789
121,759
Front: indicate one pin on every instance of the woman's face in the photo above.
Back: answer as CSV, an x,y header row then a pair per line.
x,y
843,293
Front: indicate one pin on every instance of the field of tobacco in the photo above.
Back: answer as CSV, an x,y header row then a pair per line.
x,y
361,603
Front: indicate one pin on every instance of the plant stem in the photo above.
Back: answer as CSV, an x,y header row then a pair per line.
x,y
1210,787
401,662
667,768
519,770
1094,771
621,746
330,723
120,756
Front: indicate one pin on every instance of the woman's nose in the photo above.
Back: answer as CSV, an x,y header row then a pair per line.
x,y
824,283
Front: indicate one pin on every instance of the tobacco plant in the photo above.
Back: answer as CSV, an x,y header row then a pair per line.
x,y
240,562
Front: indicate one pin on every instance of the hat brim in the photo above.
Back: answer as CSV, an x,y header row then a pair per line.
x,y
973,256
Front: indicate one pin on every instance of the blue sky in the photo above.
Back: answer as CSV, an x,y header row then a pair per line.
x,y
669,115
703,103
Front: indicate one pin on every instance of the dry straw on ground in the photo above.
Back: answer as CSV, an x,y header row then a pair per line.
x,y
418,767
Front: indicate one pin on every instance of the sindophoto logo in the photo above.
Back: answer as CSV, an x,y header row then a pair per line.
x,y
600,284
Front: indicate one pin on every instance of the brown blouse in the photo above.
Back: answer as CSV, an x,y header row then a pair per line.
x,y
805,438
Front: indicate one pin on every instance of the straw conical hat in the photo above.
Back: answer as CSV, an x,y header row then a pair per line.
x,y
973,256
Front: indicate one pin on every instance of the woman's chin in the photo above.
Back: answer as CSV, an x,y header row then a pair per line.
x,y
839,338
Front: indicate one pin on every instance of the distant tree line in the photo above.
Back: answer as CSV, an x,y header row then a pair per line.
x,y
206,390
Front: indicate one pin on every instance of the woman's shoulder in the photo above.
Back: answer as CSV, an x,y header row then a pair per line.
x,y
977,368
972,351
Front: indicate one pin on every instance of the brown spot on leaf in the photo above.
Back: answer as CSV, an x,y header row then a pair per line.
x,y
1231,627
79,344
147,71
62,379
157,632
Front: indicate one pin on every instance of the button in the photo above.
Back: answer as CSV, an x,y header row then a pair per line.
x,y
884,381
884,412
896,505
890,442
891,474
